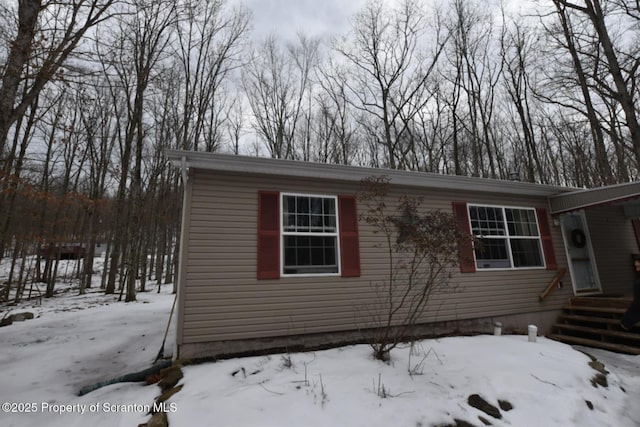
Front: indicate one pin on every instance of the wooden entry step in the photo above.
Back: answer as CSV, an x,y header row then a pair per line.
x,y
617,348
612,302
597,332
595,322
594,309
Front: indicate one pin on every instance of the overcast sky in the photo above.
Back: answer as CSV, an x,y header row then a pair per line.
x,y
325,18
317,18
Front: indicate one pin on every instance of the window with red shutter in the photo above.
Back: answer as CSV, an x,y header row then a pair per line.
x,y
507,237
309,234
313,235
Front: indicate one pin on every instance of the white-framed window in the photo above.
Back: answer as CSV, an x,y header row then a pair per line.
x,y
309,230
508,237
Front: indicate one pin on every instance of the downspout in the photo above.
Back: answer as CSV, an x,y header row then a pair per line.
x,y
184,167
183,171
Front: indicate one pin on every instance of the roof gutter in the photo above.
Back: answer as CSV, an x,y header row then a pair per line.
x,y
291,168
594,197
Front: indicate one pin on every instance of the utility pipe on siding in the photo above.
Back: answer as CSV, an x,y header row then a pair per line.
x,y
179,285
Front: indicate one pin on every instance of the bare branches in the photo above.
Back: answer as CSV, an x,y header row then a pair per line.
x,y
388,71
209,45
276,82
66,25
420,247
595,67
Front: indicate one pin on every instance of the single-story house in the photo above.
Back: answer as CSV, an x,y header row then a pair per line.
x,y
251,278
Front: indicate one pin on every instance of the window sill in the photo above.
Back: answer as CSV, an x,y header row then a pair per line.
x,y
286,276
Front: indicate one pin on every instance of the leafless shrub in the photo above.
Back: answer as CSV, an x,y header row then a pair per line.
x,y
420,247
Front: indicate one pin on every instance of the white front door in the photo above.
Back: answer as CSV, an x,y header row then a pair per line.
x,y
584,273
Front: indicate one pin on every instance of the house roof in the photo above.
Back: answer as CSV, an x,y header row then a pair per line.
x,y
627,194
298,169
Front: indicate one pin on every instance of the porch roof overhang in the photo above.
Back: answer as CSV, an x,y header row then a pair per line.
x,y
627,195
325,171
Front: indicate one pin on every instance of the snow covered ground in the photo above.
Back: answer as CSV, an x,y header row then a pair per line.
x,y
548,384
75,341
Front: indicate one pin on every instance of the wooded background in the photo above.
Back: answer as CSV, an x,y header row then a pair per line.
x,y
92,92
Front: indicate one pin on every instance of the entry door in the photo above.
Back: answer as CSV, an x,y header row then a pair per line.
x,y
582,266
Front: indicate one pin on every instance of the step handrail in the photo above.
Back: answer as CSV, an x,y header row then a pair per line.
x,y
554,284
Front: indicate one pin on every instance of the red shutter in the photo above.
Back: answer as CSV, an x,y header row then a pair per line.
x,y
465,248
268,235
349,241
636,229
547,241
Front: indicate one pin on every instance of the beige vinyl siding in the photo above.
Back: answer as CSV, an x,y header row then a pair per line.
x,y
613,243
223,300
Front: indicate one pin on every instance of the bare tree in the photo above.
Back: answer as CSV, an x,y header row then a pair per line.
x,y
518,45
473,54
138,46
437,147
235,125
336,128
612,68
209,44
276,82
571,83
99,129
389,72
61,26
